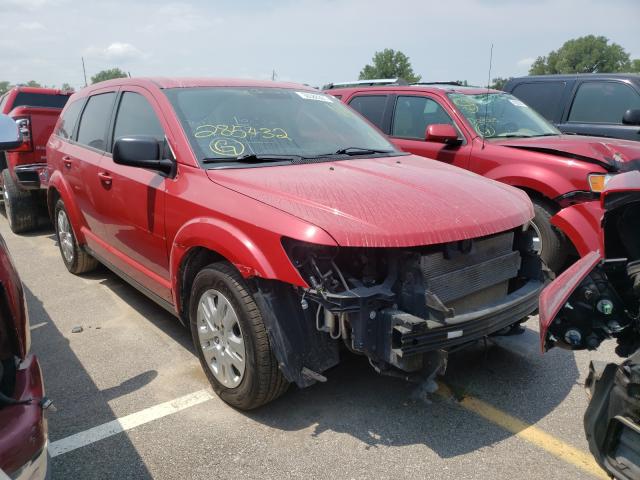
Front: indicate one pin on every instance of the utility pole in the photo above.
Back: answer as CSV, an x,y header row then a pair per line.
x,y
84,72
274,75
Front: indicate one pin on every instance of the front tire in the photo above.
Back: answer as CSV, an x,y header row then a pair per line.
x,y
549,241
75,259
231,339
19,205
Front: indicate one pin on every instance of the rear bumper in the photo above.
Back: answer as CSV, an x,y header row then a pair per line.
x,y
23,428
36,469
410,335
31,176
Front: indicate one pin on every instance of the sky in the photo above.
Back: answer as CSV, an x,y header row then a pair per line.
x,y
306,41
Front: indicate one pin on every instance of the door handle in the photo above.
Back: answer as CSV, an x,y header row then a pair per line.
x,y
105,178
67,161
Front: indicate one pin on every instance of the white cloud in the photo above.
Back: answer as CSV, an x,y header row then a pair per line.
x,y
116,52
525,62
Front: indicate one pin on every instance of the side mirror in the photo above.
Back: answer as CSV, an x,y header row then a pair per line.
x,y
142,152
10,136
631,117
442,133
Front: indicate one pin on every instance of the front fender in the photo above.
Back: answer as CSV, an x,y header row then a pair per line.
x,y
58,183
265,258
544,181
581,224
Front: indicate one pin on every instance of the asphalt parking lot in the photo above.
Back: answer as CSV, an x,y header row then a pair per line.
x,y
132,401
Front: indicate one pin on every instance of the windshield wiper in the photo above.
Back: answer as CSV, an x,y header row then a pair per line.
x,y
253,158
360,151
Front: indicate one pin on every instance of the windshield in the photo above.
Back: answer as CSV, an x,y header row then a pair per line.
x,y
496,115
223,123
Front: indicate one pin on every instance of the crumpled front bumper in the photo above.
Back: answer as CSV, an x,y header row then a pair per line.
x,y
410,335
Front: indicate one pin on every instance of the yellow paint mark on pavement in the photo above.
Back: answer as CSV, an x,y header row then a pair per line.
x,y
565,452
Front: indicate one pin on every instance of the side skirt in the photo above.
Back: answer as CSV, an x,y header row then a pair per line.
x,y
169,307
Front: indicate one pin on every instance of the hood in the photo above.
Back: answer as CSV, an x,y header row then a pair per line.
x,y
610,153
385,202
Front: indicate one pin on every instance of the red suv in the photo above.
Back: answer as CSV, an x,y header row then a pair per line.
x,y
23,425
496,135
279,226
23,169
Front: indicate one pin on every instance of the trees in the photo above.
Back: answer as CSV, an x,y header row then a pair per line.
x,y
389,64
108,75
589,54
4,87
499,83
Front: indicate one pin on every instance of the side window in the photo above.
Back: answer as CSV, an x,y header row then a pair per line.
x,y
544,97
69,119
3,101
95,118
413,115
371,107
136,117
603,102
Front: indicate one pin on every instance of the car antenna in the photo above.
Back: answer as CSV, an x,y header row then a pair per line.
x,y
486,100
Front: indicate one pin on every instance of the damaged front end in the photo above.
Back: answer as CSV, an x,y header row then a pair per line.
x,y
596,299
404,308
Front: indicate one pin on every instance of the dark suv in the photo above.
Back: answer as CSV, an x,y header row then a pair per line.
x,y
605,105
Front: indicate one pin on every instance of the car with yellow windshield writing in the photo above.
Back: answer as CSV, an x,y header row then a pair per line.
x,y
498,136
282,229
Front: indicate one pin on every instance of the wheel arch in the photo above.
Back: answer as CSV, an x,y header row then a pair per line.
x,y
59,189
206,240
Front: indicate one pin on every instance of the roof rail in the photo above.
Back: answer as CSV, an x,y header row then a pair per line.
x,y
452,82
376,82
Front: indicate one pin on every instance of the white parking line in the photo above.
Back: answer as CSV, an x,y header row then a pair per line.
x,y
128,422
37,325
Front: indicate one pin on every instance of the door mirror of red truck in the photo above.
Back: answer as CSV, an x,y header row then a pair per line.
x,y
442,133
10,136
142,152
631,117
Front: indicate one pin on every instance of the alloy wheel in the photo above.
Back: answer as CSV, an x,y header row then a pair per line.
x,y
65,236
220,338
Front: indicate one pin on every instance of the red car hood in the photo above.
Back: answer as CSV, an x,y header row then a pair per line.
x,y
613,154
385,202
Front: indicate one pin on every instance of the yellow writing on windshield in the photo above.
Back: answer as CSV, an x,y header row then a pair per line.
x,y
241,131
227,147
466,104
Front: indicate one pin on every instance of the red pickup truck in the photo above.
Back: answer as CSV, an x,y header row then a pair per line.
x,y
36,111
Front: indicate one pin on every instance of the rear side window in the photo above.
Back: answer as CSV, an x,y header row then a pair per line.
x,y
544,97
69,119
95,118
371,107
136,117
603,102
413,115
40,100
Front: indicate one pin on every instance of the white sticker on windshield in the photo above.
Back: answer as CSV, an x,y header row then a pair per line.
x,y
315,96
517,102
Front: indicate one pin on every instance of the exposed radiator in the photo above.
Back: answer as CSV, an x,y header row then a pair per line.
x,y
490,262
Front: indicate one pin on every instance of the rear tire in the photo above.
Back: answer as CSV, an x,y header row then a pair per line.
x,y
221,303
19,205
75,259
553,246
